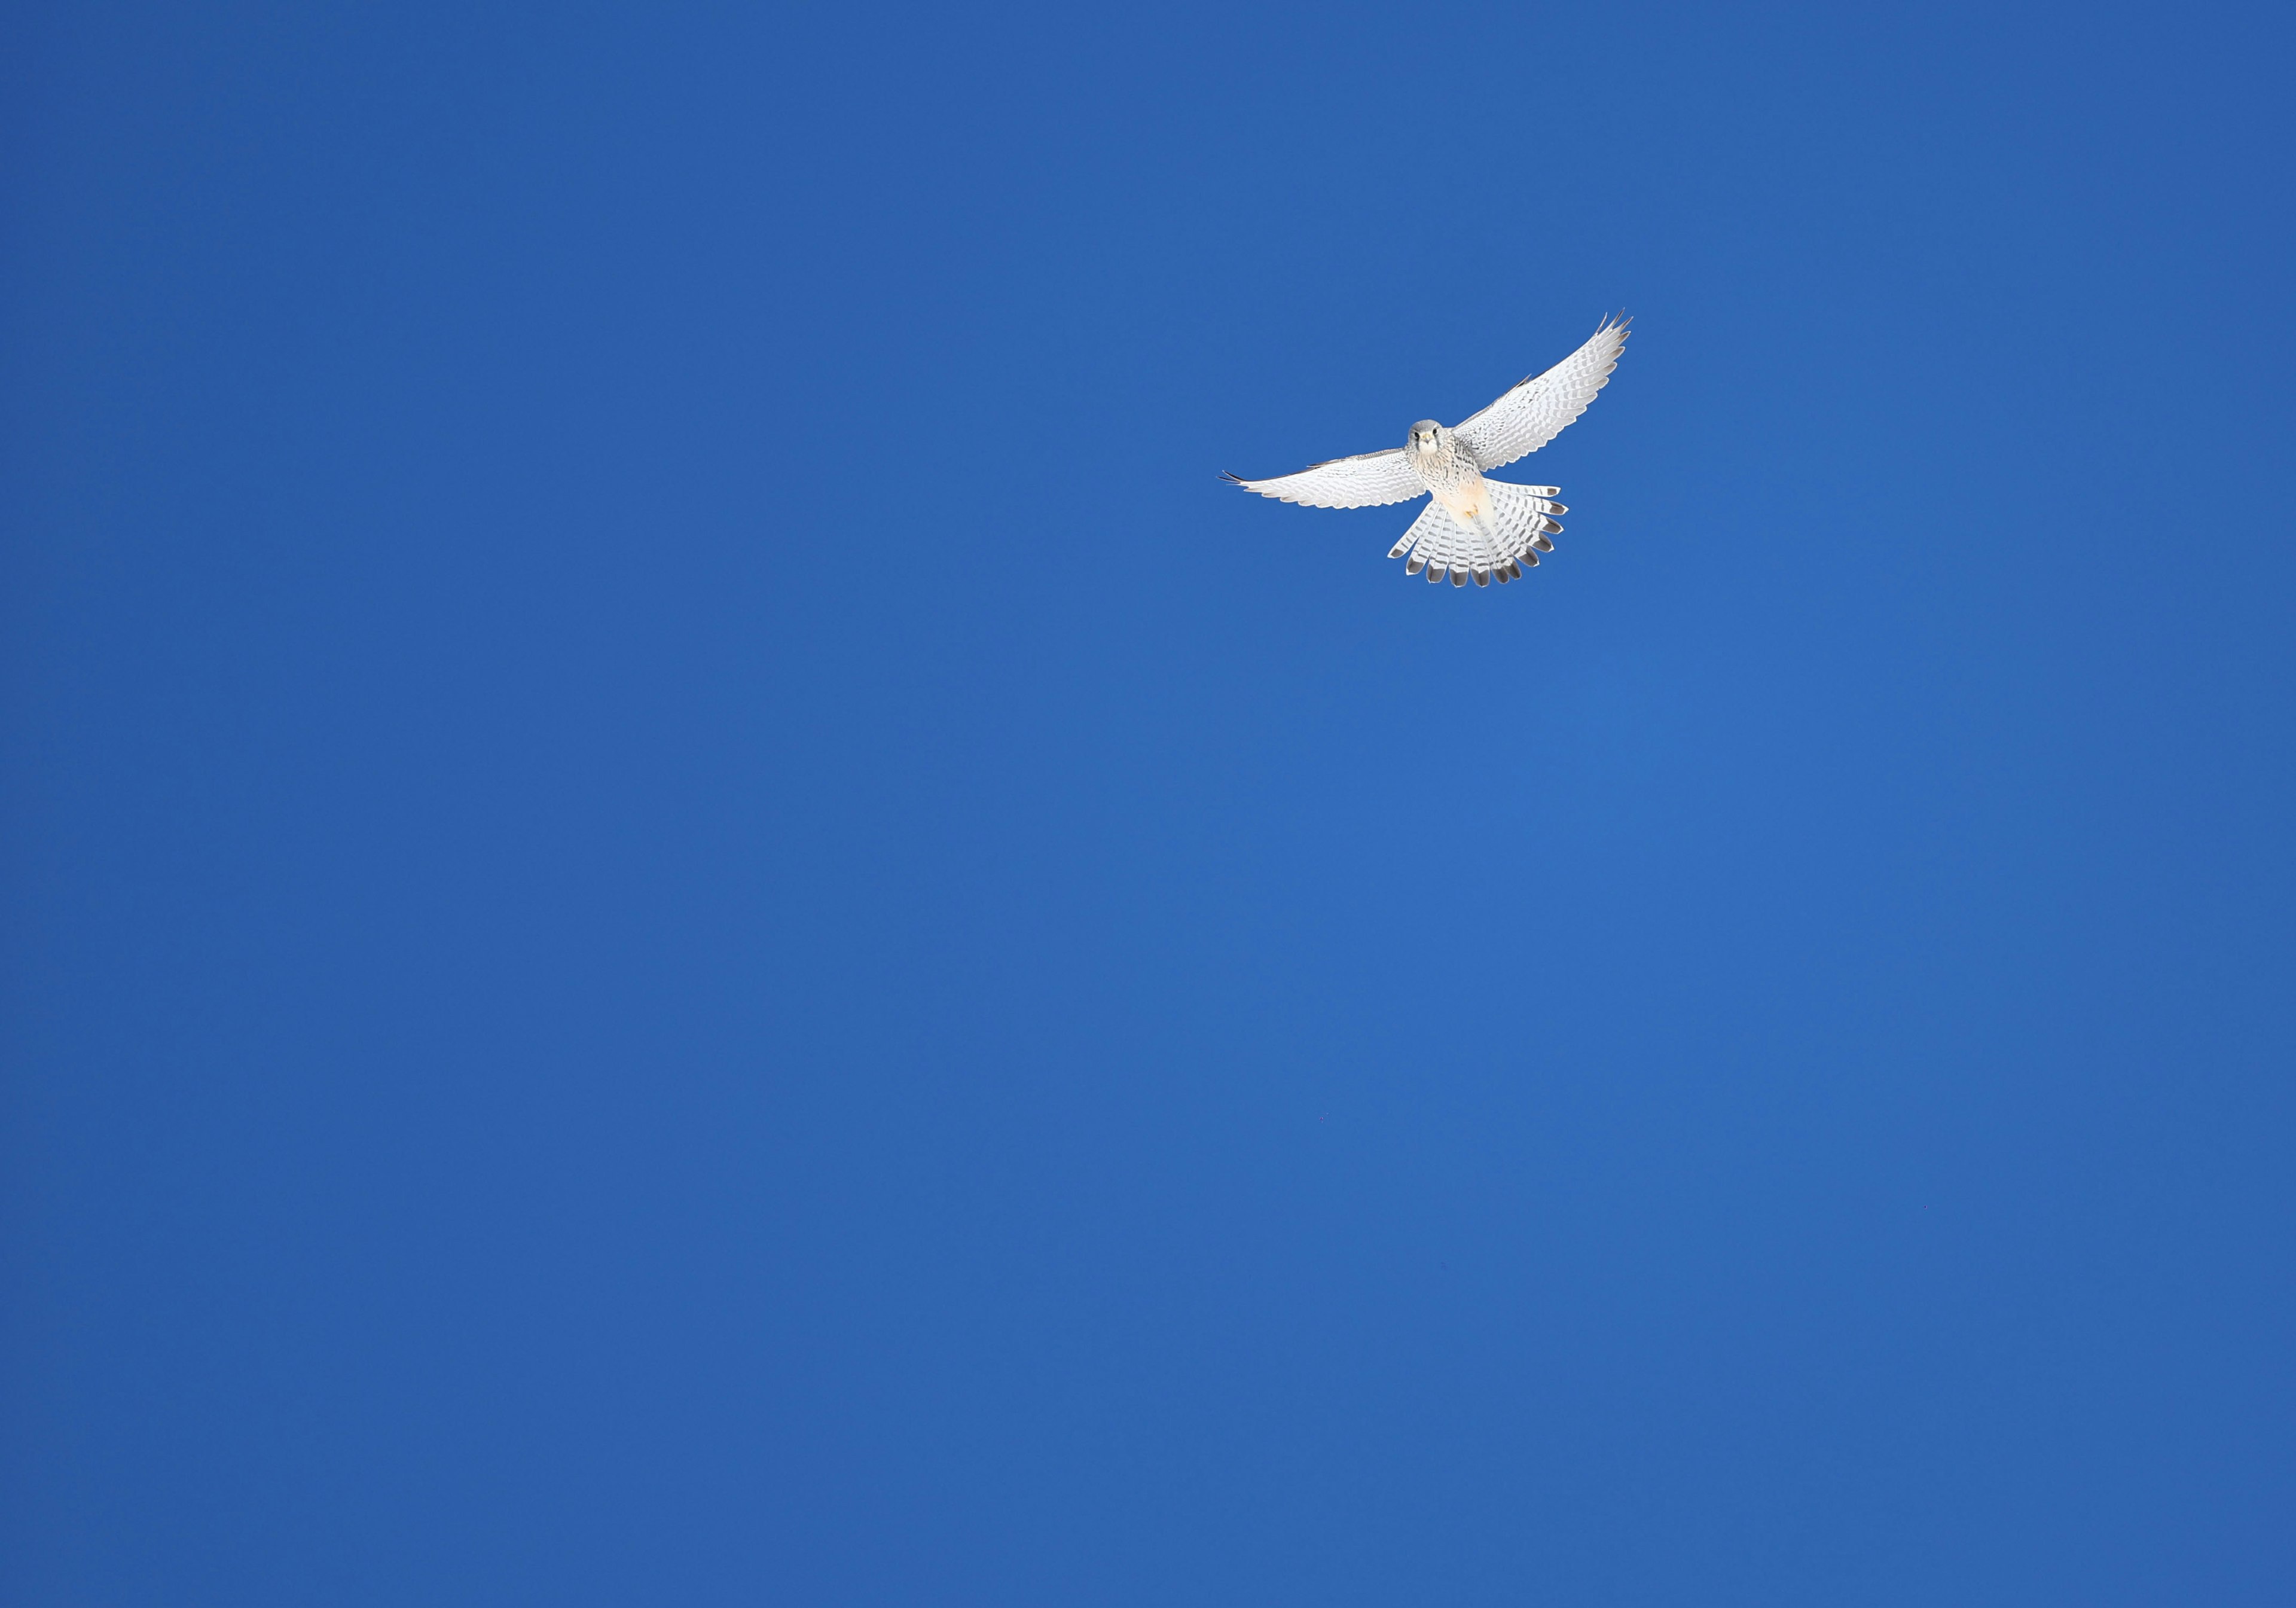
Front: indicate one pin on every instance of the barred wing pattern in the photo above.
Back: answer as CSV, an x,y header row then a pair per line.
x,y
1366,480
1534,413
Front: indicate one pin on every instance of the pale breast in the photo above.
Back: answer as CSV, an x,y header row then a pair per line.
x,y
1458,486
1452,476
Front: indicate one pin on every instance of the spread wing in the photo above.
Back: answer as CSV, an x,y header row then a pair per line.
x,y
1534,413
1363,481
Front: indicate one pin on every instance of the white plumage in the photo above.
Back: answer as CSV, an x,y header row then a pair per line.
x,y
1470,526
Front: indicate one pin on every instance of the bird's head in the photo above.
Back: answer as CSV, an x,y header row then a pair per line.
x,y
1426,436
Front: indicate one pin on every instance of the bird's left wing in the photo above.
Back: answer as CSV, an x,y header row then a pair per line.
x,y
1363,481
1534,413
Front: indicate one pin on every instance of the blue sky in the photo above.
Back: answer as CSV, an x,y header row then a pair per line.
x,y
690,916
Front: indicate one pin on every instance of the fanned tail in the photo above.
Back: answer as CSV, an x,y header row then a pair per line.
x,y
1505,541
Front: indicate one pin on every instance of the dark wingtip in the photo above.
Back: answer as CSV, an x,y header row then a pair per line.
x,y
1233,480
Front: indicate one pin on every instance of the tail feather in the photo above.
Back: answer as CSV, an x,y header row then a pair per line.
x,y
1526,519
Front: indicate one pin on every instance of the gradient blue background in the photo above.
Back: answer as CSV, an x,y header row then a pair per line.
x,y
691,918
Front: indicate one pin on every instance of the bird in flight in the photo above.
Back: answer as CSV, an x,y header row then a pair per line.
x,y
1471,526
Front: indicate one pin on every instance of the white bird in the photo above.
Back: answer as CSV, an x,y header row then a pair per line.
x,y
1472,526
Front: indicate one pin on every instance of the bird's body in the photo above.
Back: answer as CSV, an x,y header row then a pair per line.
x,y
1471,525
1450,472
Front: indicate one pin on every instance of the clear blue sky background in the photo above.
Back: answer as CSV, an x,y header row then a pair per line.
x,y
691,918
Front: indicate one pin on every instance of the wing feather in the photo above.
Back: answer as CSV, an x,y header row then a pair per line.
x,y
1534,413
1367,480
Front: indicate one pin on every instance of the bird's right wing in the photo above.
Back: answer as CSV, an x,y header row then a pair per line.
x,y
1366,480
